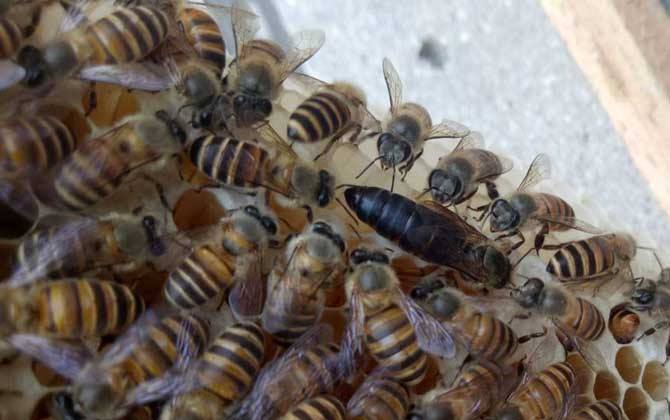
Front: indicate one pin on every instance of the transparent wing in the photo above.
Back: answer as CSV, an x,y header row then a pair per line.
x,y
494,169
473,140
592,356
304,45
270,136
539,169
66,359
248,295
351,346
393,84
448,129
144,76
309,84
77,13
10,74
434,336
245,26
571,222
369,389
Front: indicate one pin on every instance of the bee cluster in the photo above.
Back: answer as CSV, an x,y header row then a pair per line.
x,y
194,229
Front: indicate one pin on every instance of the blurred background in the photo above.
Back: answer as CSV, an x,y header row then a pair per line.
x,y
498,66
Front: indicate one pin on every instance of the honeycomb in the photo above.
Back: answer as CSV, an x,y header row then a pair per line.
x,y
637,378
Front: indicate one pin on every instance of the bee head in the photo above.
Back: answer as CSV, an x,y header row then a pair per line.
x,y
644,292
392,150
528,294
503,216
251,109
444,187
497,267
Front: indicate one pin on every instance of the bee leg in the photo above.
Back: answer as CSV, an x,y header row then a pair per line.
x,y
491,190
540,237
482,210
528,337
525,315
512,234
406,168
92,99
658,326
309,213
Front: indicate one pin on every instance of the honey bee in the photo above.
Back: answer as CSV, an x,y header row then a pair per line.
x,y
261,66
653,297
484,335
18,21
545,395
318,408
248,165
132,371
478,389
331,112
578,321
34,144
295,298
126,35
408,127
599,410
68,308
458,175
223,375
596,259
435,234
396,331
379,398
99,166
210,269
308,368
79,246
525,209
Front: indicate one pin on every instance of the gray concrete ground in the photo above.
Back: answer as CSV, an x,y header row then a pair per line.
x,y
505,72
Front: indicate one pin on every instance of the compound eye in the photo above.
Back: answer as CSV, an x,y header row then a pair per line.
x,y
264,107
252,210
380,258
269,225
358,256
239,100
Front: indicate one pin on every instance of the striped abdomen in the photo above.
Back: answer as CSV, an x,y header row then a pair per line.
x,y
230,365
489,338
33,144
475,391
202,275
599,410
163,345
551,205
229,161
385,399
129,34
318,117
391,341
285,317
85,308
11,37
544,395
582,259
584,318
203,33
323,407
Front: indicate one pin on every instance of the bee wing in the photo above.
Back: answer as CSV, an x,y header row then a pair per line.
x,y
270,136
245,25
473,140
10,74
448,129
492,169
434,336
351,346
571,222
76,14
248,294
65,358
539,169
369,388
309,83
592,356
393,84
304,45
144,75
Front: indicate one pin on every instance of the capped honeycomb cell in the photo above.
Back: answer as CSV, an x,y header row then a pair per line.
x,y
623,323
628,364
113,103
655,381
635,404
197,209
606,387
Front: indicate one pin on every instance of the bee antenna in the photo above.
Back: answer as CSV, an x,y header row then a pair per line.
x,y
344,186
653,251
522,258
372,162
290,226
355,231
393,178
346,210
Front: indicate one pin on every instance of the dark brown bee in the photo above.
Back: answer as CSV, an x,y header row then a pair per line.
x,y
99,166
261,66
133,370
527,209
30,145
295,299
379,398
484,335
223,375
396,331
210,269
323,407
596,259
126,35
599,410
479,389
71,308
248,165
433,233
458,175
544,395
408,127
